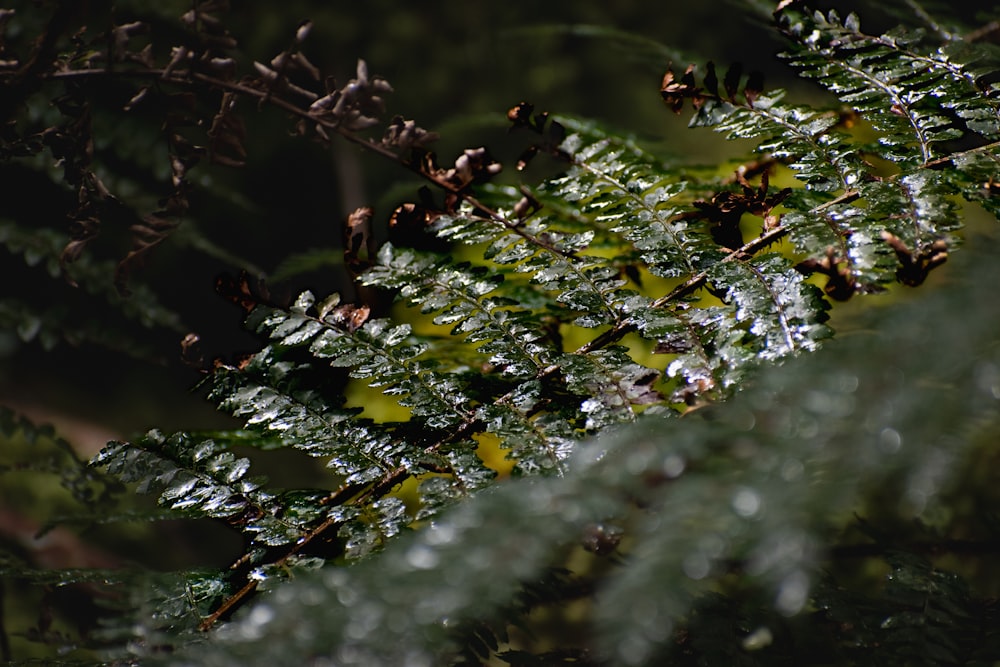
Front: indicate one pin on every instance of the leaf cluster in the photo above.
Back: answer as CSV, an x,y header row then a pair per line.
x,y
610,331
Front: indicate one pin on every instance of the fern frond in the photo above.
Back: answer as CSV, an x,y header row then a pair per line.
x,y
923,613
292,399
52,323
782,313
975,175
850,236
512,336
538,443
381,352
555,265
582,307
265,394
751,490
613,383
803,137
626,191
199,478
52,454
910,91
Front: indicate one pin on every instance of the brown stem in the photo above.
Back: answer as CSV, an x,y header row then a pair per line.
x,y
267,96
339,497
954,156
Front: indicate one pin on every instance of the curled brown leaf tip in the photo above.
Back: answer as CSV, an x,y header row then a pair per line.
x,y
840,284
915,265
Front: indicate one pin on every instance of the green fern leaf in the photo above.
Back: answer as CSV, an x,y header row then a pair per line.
x,y
199,478
513,337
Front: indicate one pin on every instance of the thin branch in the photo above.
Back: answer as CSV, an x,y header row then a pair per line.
x,y
983,32
955,156
268,96
339,497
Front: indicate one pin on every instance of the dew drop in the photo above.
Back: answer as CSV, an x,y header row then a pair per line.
x,y
637,462
743,420
347,596
673,466
442,533
760,638
696,566
848,383
259,616
633,651
746,503
792,594
988,379
422,557
890,440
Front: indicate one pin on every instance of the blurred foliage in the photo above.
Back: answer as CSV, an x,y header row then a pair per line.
x,y
600,314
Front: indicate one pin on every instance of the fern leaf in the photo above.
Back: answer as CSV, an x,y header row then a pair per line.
x,y
781,312
906,93
264,394
752,488
805,138
199,478
975,175
50,324
708,359
539,443
613,383
512,336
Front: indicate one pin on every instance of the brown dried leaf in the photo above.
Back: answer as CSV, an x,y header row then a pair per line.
x,y
840,284
227,134
302,32
191,351
245,291
527,206
916,265
754,87
153,231
406,134
348,316
359,244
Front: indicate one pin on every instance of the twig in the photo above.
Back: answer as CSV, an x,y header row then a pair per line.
x,y
268,97
954,156
346,492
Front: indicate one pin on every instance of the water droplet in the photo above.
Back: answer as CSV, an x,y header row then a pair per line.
x,y
673,466
988,379
440,533
743,420
746,503
890,440
805,428
847,383
696,566
792,593
758,639
421,557
633,651
713,545
310,596
253,625
638,462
